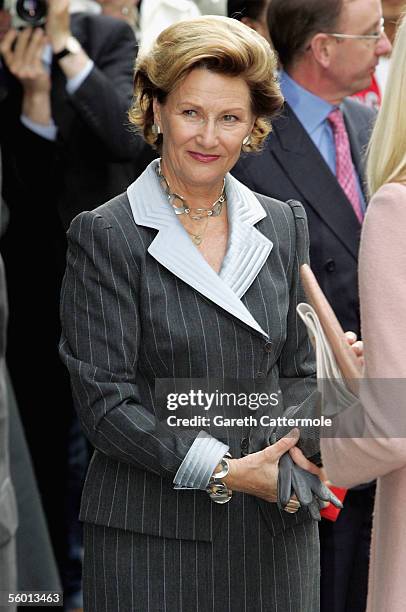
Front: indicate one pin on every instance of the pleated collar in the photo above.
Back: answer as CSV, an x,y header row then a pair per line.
x,y
247,248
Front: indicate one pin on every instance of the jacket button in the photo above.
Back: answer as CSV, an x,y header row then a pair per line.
x,y
260,375
244,446
330,265
268,347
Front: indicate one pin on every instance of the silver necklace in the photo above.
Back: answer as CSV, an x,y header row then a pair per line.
x,y
197,214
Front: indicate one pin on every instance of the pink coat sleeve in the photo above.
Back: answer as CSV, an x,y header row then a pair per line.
x,y
382,277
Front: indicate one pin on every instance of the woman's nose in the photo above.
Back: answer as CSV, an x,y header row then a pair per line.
x,y
208,133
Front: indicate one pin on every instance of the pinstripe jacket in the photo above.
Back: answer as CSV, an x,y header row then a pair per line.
x,y
139,303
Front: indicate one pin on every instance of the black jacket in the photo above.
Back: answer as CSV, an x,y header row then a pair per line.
x,y
291,167
96,155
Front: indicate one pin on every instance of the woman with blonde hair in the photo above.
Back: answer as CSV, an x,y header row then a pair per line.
x,y
381,452
190,275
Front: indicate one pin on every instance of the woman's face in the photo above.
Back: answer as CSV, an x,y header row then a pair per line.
x,y
203,123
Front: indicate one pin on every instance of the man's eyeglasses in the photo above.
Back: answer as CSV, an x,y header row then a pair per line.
x,y
375,36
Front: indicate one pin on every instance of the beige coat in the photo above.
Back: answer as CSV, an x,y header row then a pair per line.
x,y
352,461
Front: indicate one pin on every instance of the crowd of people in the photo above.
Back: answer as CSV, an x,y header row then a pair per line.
x,y
233,141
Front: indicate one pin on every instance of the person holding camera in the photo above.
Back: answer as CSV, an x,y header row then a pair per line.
x,y
75,75
66,85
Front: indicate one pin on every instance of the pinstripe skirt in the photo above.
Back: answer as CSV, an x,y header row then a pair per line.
x,y
244,569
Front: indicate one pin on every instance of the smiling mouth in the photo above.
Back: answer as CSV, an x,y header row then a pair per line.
x,y
202,157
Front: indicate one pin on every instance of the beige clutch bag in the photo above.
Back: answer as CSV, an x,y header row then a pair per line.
x,y
333,350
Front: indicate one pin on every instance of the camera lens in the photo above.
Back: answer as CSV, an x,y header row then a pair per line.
x,y
32,11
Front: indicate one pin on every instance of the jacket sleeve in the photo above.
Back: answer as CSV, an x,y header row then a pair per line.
x,y
297,365
104,97
100,346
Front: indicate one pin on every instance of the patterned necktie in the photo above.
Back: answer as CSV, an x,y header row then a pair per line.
x,y
345,172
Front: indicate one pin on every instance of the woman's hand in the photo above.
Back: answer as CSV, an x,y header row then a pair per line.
x,y
357,346
257,473
302,461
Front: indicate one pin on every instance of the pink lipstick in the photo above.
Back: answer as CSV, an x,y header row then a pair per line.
x,y
206,159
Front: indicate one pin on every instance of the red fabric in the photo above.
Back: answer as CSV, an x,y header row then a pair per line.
x,y
371,96
331,512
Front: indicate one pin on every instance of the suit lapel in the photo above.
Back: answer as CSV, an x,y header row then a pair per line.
x,y
173,248
247,249
313,178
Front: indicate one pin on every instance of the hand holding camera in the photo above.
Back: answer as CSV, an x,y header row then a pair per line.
x,y
58,24
22,52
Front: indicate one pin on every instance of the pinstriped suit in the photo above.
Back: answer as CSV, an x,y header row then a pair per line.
x,y
138,303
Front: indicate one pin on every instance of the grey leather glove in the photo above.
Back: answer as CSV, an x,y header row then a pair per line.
x,y
308,488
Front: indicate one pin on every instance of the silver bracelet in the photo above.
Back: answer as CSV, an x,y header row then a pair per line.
x,y
216,489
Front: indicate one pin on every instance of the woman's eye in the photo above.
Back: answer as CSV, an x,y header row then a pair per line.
x,y
230,118
190,113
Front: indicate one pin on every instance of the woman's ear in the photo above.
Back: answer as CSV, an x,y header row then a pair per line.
x,y
157,112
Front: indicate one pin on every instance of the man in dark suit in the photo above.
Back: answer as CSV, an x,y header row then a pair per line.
x,y
73,95
328,50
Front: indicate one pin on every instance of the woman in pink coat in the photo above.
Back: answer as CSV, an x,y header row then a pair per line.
x,y
381,453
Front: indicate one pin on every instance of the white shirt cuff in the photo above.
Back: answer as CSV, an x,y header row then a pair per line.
x,y
75,82
45,131
200,462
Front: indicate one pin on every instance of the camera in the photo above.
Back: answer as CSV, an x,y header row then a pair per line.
x,y
25,13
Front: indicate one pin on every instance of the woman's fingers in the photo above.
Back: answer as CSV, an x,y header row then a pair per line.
x,y
293,505
351,337
300,460
283,445
358,348
284,480
356,345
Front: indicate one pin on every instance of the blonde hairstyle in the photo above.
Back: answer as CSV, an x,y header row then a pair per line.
x,y
387,148
220,44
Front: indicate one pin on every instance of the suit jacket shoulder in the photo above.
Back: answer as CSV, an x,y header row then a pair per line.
x,y
112,210
93,31
291,215
359,120
359,112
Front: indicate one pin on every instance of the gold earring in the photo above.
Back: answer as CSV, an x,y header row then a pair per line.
x,y
156,130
